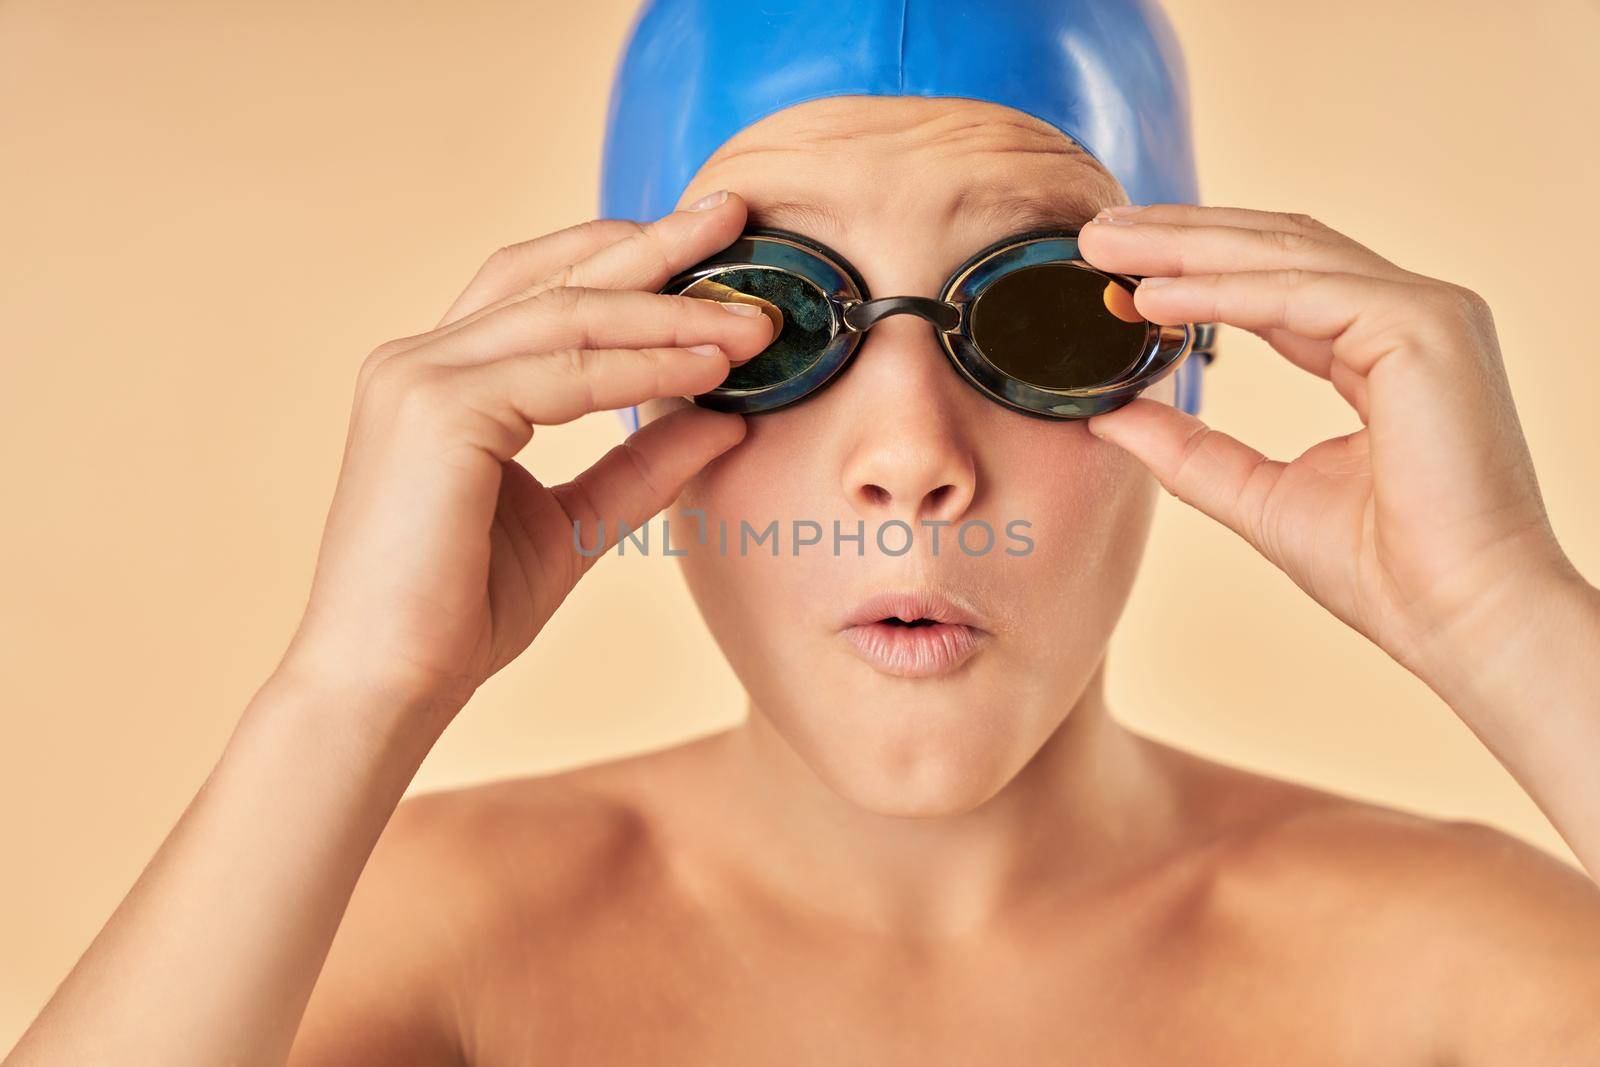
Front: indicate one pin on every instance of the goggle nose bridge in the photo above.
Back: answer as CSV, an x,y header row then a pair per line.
x,y
865,314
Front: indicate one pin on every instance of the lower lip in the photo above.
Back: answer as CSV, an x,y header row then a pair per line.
x,y
914,651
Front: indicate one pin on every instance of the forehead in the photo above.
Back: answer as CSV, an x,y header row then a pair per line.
x,y
824,165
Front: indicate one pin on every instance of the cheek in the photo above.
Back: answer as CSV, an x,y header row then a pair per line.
x,y
752,496
1088,506
1060,477
766,475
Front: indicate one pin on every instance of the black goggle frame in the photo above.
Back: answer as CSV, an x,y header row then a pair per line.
x,y
854,311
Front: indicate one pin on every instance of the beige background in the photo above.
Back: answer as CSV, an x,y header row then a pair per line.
x,y
209,213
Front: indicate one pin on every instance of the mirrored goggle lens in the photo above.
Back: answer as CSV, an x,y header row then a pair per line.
x,y
807,323
1059,326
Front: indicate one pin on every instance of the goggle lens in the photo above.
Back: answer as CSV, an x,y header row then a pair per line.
x,y
1058,326
807,325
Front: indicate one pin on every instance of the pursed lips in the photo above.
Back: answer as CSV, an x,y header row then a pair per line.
x,y
913,633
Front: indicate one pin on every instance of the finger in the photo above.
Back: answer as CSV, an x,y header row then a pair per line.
x,y
648,259
516,267
1209,215
550,388
645,256
600,318
1169,249
1352,312
645,473
1205,468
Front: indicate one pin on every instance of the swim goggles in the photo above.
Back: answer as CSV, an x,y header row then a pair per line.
x,y
1026,321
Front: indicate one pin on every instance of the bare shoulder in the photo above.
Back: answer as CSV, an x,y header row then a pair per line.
x,y
528,852
1492,943
463,884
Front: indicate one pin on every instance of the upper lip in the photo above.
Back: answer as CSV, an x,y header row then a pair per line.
x,y
908,606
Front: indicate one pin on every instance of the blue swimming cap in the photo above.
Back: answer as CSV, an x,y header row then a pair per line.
x,y
1107,73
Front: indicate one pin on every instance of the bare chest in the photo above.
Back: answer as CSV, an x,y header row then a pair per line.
x,y
659,995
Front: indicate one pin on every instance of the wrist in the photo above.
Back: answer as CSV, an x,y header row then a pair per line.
x,y
1519,643
387,710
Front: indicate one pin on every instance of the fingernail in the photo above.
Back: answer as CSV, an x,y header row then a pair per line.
x,y
706,350
709,201
1123,209
1152,283
737,308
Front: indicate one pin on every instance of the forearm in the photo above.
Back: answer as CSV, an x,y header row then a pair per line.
x,y
1525,677
211,957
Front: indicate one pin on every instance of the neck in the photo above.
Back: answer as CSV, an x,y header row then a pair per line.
x,y
1093,802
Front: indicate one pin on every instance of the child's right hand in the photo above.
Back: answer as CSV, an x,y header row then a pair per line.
x,y
443,556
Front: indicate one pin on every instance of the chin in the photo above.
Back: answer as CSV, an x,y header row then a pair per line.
x,y
934,786
916,752
941,801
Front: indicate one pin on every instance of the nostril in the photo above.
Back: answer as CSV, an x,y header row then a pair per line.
x,y
875,495
938,497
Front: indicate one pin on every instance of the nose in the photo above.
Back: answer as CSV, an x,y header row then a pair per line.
x,y
910,455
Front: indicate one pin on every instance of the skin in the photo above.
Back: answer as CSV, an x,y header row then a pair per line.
x,y
982,866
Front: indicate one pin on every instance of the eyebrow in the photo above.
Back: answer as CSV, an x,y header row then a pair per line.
x,y
1012,213
801,215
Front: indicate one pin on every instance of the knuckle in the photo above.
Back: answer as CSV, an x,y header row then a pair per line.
x,y
1177,478
378,357
651,244
1430,318
563,277
422,396
500,265
574,366
404,387
566,362
602,230
1472,303
641,467
593,234
1292,242
1256,484
689,308
1467,310
377,384
501,261
558,300
396,347
1299,220
380,369
1450,301
578,501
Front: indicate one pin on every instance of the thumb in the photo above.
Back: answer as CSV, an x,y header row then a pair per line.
x,y
1205,468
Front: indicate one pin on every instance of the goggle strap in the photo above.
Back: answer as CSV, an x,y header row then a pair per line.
x,y
1205,340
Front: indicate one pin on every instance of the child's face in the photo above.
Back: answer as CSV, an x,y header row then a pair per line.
x,y
917,186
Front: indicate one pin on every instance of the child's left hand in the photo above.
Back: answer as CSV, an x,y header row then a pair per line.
x,y
1422,529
